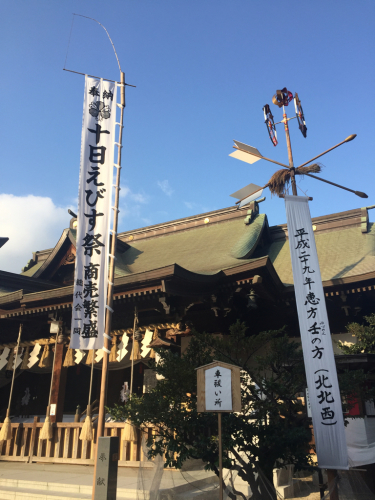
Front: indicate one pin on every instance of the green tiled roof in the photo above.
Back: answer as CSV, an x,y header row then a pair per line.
x,y
210,248
30,272
342,253
206,249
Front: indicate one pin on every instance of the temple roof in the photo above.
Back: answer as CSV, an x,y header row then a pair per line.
x,y
218,244
343,252
204,249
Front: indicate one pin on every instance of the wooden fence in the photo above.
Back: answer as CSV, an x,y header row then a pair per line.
x,y
65,446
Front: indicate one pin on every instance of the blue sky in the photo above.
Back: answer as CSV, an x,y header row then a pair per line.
x,y
203,70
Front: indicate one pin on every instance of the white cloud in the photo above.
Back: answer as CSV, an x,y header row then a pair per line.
x,y
165,187
31,223
190,205
198,208
131,205
126,192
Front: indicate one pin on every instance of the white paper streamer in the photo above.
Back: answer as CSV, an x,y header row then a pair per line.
x,y
33,358
145,342
99,355
78,356
122,351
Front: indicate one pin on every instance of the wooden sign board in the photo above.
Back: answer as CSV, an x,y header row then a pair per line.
x,y
218,388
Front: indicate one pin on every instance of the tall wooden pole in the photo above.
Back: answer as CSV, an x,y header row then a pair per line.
x,y
220,458
332,473
332,484
132,367
108,319
290,155
14,369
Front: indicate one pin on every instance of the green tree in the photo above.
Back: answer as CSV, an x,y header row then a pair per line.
x,y
271,430
365,337
355,382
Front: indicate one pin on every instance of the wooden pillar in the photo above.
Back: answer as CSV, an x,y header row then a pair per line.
x,y
332,484
59,381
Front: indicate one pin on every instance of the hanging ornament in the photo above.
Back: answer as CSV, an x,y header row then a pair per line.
x,y
270,124
47,357
300,115
122,351
282,97
113,354
4,357
90,357
25,359
145,342
69,358
79,356
34,355
99,355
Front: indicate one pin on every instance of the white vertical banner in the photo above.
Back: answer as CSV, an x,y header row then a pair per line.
x,y
322,383
94,214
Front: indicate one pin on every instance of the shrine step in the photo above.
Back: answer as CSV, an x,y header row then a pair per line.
x,y
16,489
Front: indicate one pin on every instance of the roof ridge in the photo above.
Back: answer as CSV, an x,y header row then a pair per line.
x,y
184,223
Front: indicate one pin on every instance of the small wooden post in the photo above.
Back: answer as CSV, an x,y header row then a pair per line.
x,y
321,483
228,397
77,416
220,458
32,439
332,484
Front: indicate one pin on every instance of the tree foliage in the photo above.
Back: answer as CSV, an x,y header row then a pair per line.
x,y
271,430
365,337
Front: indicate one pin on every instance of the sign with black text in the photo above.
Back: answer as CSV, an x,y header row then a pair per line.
x,y
94,213
322,383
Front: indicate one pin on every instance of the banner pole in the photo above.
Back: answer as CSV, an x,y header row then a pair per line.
x,y
331,473
108,319
132,367
290,155
220,458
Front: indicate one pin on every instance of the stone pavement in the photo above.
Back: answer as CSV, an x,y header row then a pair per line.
x,y
37,481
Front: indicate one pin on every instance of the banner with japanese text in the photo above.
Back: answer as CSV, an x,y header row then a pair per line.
x,y
94,214
322,383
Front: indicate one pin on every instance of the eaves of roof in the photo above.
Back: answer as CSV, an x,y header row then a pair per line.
x,y
171,279
66,235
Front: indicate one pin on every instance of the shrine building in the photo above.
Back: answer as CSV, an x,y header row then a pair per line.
x,y
202,272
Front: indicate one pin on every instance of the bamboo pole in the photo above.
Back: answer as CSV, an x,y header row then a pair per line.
x,y
132,368
46,432
87,428
6,432
108,319
220,458
290,154
15,364
348,139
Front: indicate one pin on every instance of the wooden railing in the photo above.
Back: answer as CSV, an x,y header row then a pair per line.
x,y
65,446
